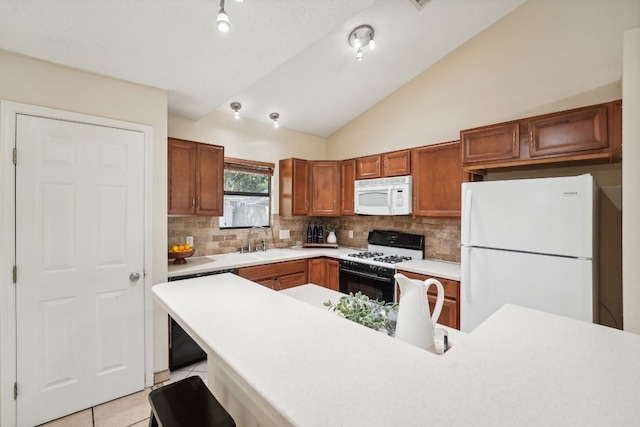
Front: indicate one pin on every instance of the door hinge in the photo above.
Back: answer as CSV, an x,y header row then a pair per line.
x,y
15,274
15,156
15,391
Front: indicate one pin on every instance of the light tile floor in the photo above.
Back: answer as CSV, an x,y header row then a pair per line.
x,y
128,411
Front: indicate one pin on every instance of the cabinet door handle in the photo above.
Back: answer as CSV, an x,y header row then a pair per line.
x,y
197,202
193,202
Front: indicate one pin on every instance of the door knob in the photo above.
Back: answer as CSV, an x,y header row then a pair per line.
x,y
134,277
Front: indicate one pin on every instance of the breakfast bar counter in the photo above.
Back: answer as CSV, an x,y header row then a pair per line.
x,y
274,360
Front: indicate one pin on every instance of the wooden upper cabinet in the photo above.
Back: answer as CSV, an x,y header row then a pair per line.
x,y
569,133
395,163
437,180
210,180
182,177
294,187
616,127
591,133
195,175
347,182
368,167
490,143
325,188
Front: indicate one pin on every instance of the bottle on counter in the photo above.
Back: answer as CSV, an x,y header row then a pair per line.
x,y
309,233
320,233
315,231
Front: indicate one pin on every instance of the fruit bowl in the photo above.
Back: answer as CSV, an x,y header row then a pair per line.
x,y
179,257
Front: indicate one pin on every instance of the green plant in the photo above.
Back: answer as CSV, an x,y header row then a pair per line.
x,y
331,228
360,309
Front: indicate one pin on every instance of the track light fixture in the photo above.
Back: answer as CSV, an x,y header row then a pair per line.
x,y
236,106
275,117
360,37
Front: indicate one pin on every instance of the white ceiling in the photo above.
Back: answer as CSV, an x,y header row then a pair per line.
x,y
289,56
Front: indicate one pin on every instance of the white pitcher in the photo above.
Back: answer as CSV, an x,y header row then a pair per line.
x,y
415,323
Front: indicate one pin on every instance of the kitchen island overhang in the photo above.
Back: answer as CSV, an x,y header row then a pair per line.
x,y
277,361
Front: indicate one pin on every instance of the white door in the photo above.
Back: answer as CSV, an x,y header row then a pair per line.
x,y
492,278
79,237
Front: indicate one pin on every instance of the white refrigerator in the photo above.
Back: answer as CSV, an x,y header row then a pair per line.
x,y
528,242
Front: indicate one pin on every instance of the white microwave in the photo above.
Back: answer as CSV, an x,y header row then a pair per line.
x,y
383,196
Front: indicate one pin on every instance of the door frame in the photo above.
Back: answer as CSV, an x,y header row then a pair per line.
x,y
9,111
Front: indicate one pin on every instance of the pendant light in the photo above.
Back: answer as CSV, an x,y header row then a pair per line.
x,y
275,117
223,19
236,106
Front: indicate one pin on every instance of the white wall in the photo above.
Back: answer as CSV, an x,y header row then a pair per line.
x,y
250,140
31,81
631,181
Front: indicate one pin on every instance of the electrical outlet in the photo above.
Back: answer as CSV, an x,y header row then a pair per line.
x,y
190,240
284,234
351,234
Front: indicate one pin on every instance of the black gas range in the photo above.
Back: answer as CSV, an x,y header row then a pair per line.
x,y
371,272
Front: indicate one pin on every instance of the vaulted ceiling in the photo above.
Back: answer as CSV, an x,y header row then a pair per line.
x,y
287,56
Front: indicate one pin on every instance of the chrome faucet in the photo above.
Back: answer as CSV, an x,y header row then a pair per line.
x,y
264,248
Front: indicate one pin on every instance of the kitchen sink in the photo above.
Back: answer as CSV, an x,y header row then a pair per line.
x,y
273,254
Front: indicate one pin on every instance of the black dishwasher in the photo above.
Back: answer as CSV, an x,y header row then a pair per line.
x,y
183,350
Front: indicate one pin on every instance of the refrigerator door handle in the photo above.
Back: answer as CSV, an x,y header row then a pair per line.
x,y
466,277
467,217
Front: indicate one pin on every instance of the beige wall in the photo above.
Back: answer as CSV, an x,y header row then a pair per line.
x,y
544,56
250,140
631,180
30,81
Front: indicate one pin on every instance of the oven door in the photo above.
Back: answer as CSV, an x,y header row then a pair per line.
x,y
375,287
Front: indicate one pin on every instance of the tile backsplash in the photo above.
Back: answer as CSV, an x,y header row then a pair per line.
x,y
442,236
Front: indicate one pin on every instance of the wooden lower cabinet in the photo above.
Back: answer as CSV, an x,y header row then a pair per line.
x,y
277,276
332,275
450,314
324,272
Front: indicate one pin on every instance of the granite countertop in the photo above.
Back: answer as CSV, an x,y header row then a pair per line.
x,y
210,263
295,365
